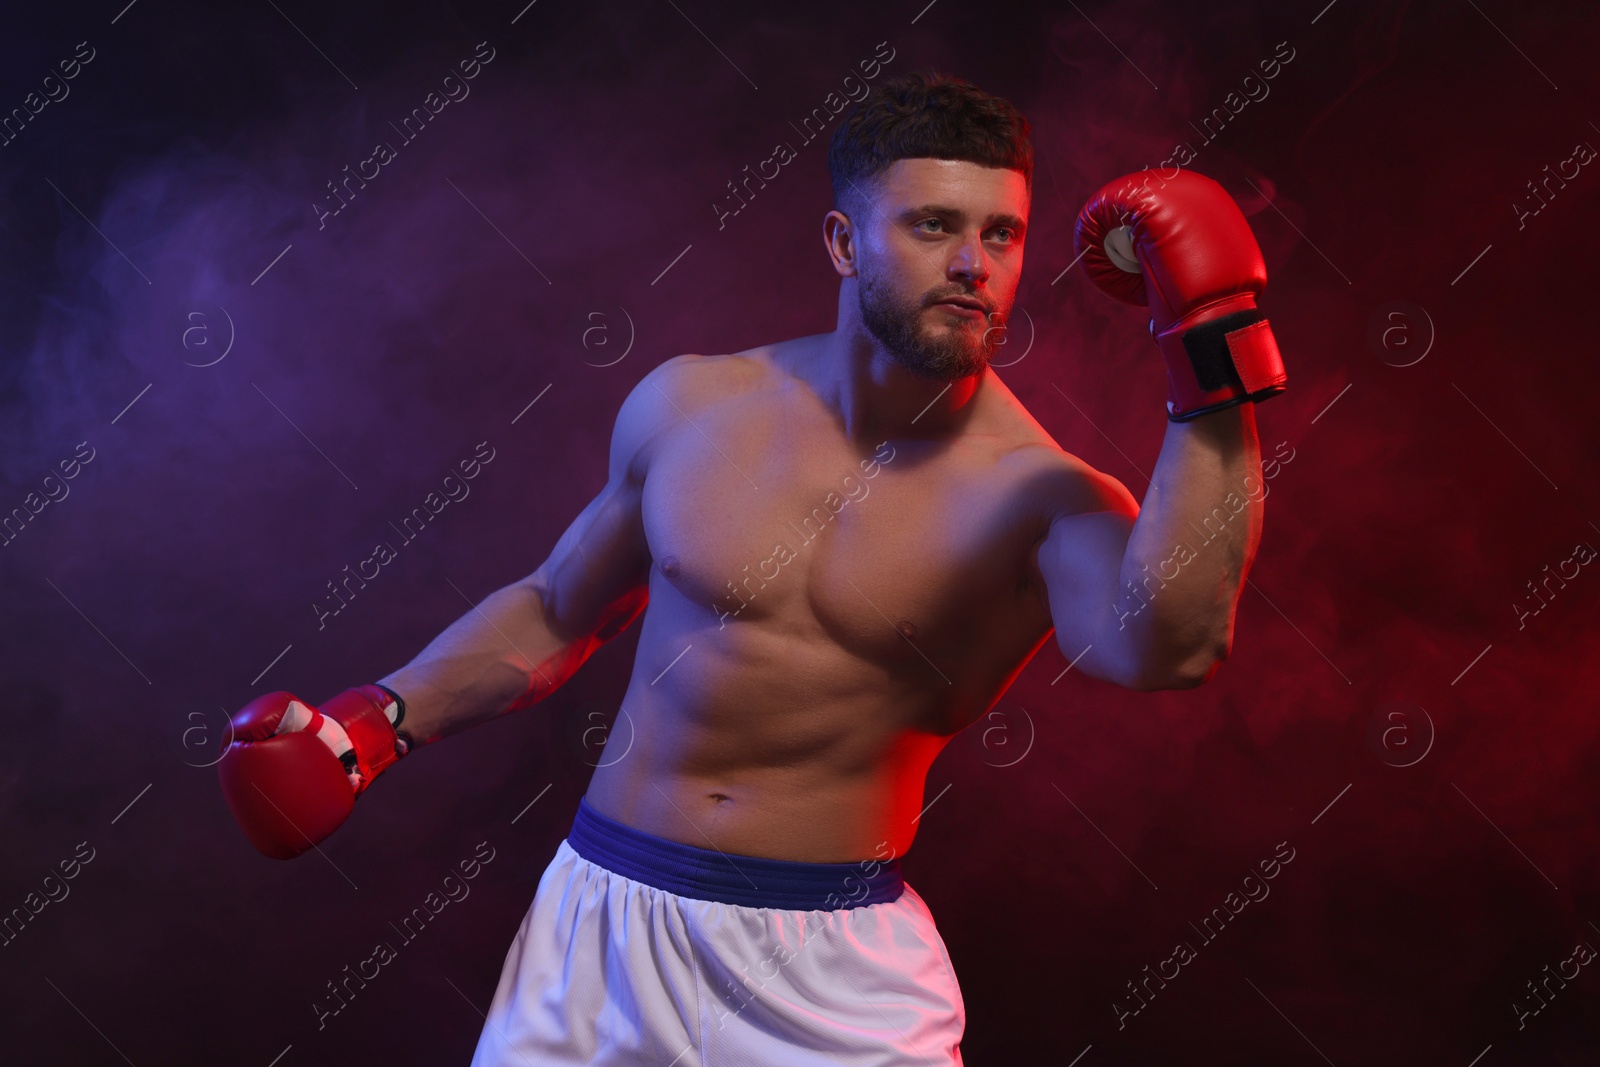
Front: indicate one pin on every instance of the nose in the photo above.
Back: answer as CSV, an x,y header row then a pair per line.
x,y
969,262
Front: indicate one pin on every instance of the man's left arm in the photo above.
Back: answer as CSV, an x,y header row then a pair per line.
x,y
1146,596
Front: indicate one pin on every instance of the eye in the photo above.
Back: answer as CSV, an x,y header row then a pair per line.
x,y
929,221
1005,234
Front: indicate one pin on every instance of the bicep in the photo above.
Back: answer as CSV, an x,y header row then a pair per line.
x,y
1079,564
596,579
597,575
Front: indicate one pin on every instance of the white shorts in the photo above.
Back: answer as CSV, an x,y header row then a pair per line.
x,y
638,950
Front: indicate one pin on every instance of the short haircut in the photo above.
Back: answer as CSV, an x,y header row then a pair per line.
x,y
925,116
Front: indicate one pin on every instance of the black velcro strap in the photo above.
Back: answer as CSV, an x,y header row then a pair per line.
x,y
1207,346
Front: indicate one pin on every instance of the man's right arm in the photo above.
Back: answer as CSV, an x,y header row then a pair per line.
x,y
292,771
526,639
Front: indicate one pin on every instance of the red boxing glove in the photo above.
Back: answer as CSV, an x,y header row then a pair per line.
x,y
1181,246
293,771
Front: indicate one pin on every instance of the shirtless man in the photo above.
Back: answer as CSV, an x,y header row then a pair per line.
x,y
850,545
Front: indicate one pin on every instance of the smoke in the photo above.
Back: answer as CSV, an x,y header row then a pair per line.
x,y
267,388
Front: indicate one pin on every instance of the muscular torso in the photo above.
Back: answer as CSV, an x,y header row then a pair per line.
x,y
823,614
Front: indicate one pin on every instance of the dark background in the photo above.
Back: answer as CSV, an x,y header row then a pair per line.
x,y
1433,765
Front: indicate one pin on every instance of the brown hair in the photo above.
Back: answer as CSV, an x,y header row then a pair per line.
x,y
926,115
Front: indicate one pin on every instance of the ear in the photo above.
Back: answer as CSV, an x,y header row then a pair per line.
x,y
838,234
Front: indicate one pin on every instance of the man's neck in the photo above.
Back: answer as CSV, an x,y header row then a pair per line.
x,y
877,399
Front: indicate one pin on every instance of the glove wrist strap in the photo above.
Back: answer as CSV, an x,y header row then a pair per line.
x,y
399,717
373,737
1219,356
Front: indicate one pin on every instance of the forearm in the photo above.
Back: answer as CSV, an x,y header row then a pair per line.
x,y
502,655
1196,534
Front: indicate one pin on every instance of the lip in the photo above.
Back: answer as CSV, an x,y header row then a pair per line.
x,y
964,308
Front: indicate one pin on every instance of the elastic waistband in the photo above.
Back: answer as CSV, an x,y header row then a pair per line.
x,y
749,881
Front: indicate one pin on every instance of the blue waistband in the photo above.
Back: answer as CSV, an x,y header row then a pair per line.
x,y
749,881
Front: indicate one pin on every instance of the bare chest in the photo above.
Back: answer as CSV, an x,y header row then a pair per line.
x,y
912,553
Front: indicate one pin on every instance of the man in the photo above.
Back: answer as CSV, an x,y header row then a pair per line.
x,y
850,545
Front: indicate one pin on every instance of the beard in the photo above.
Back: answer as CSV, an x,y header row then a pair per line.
x,y
944,355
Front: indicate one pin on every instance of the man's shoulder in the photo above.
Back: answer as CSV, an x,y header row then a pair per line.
x,y
698,379
1058,484
681,387
1061,483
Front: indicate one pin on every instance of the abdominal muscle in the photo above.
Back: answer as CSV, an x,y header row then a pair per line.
x,y
797,718
759,742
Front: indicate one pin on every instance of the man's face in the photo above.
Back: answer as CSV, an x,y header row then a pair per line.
x,y
934,235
